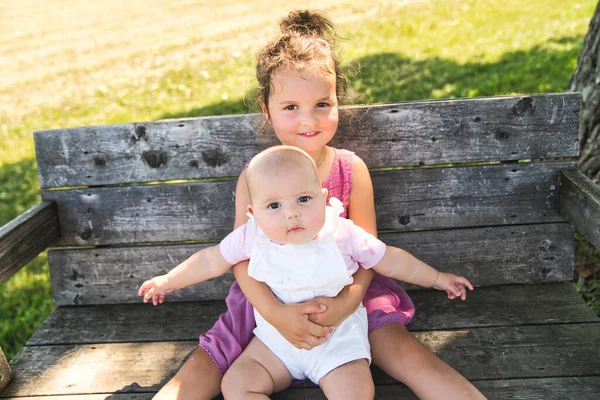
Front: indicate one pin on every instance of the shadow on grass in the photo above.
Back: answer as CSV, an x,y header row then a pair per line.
x,y
391,77
224,107
19,189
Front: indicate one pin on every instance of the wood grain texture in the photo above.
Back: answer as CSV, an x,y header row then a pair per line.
x,y
580,388
430,198
404,134
22,239
584,388
480,353
504,305
579,200
487,256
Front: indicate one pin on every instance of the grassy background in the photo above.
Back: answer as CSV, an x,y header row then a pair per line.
x,y
70,63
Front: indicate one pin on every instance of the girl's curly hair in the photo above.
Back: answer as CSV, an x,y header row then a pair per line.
x,y
306,40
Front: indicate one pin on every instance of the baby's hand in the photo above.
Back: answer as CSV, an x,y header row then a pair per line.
x,y
155,289
455,286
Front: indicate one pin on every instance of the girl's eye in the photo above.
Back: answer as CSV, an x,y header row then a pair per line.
x,y
304,199
273,206
291,107
322,105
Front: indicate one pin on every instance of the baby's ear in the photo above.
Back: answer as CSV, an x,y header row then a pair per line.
x,y
325,193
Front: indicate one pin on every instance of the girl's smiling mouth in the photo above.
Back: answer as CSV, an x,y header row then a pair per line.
x,y
309,134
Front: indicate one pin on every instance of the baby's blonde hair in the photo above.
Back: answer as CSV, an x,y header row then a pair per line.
x,y
279,159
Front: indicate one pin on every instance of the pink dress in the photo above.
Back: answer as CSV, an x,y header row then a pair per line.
x,y
385,301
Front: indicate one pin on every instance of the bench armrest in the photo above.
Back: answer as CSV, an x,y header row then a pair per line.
x,y
579,201
26,236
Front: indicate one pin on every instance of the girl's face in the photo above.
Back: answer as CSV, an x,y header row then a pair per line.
x,y
303,108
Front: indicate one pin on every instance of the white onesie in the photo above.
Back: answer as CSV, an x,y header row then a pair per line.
x,y
296,273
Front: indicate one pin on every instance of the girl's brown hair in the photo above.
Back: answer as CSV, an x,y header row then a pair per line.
x,y
306,40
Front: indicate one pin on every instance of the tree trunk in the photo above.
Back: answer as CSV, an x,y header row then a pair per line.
x,y
586,79
5,372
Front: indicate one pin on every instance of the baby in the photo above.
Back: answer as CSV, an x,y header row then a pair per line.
x,y
301,249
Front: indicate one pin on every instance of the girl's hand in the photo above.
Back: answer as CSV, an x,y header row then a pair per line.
x,y
338,309
291,320
155,289
455,286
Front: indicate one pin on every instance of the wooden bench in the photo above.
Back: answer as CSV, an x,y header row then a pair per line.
x,y
484,187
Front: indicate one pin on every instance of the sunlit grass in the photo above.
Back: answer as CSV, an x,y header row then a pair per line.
x,y
25,301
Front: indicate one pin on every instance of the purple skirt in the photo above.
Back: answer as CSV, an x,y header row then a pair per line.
x,y
385,301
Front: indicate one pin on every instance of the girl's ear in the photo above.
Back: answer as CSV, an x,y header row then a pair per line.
x,y
249,209
325,193
264,108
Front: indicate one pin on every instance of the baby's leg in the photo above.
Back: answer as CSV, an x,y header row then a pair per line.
x,y
255,374
352,380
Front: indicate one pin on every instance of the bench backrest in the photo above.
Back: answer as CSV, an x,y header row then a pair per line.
x,y
468,186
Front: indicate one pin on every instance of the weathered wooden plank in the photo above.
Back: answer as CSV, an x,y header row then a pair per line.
x,y
581,388
429,198
504,305
5,371
103,368
561,350
404,134
467,196
487,256
579,200
23,238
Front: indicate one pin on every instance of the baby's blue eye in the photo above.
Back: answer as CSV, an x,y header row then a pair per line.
x,y
304,199
273,206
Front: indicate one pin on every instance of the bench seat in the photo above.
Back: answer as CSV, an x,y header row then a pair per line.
x,y
509,340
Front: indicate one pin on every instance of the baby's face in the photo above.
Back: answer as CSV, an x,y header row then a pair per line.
x,y
289,206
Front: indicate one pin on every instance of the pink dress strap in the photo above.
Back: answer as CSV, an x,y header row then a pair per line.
x,y
339,180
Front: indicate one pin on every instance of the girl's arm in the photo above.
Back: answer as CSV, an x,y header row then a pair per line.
x,y
403,266
201,266
291,320
361,210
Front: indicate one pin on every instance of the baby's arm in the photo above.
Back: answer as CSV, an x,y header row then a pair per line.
x,y
203,265
403,266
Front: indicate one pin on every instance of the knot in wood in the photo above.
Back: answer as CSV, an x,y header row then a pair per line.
x,y
501,134
155,158
404,219
99,161
524,106
215,157
139,133
86,235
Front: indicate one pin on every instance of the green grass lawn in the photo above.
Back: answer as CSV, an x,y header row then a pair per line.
x,y
147,67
